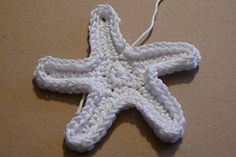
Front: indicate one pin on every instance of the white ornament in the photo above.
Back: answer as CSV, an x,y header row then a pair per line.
x,y
118,76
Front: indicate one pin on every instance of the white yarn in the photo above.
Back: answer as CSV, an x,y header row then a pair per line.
x,y
118,76
146,33
80,104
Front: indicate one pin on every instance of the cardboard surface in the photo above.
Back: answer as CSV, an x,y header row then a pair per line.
x,y
32,120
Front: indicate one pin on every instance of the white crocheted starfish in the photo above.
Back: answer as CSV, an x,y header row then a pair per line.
x,y
118,76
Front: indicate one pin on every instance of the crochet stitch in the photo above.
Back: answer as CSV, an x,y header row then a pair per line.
x,y
118,76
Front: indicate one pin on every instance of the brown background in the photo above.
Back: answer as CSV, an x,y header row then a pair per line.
x,y
32,121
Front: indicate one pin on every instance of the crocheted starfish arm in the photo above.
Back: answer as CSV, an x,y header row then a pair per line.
x,y
92,123
65,75
171,56
104,29
163,115
171,127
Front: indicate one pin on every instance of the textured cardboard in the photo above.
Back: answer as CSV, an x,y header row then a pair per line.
x,y
32,120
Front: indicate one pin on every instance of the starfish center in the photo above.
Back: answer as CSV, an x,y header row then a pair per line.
x,y
115,73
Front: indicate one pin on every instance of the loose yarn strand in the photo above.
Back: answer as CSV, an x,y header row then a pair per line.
x,y
81,103
147,32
